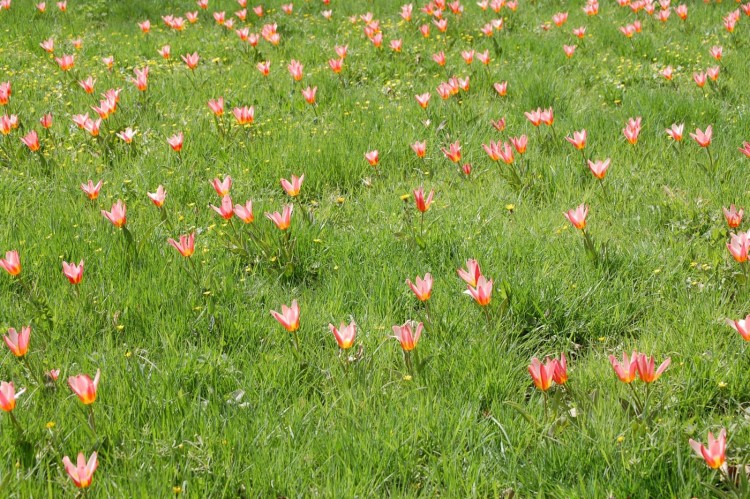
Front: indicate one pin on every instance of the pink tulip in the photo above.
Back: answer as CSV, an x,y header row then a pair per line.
x,y
407,336
295,69
309,94
472,273
676,131
127,135
344,334
422,288
176,141
482,293
627,369
292,188
82,473
186,245
191,60
742,326
738,246
225,210
289,316
117,215
84,387
91,190
245,213
734,217
423,204
599,168
542,374
577,217
453,152
282,220
66,62
645,366
715,454
8,396
158,197
419,148
703,138
578,140
222,187
73,272
18,343
244,115
31,140
372,157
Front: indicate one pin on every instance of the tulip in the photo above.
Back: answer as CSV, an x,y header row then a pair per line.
x,y
501,88
742,326
282,220
535,117
738,246
560,374
344,334
703,138
8,396
18,343
423,100
84,387
87,85
716,52
423,287
423,204
165,51
32,141
336,65
700,79
191,60
578,140
407,336
715,454
289,316
309,94
66,62
560,18
117,215
569,50
292,188
484,57
52,374
500,125
579,32
11,263
682,11
176,141
158,197
667,73
341,51
713,73
372,157
145,26
244,115
245,213
225,210
295,69
625,371
83,472
577,217
745,149
73,272
127,135
288,8
676,131
645,367
472,273
519,143
46,121
48,45
222,187
439,58
734,217
91,190
542,374
186,246
482,293
453,152
599,168
419,148
264,67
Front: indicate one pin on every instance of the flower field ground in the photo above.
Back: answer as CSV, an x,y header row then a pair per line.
x,y
555,180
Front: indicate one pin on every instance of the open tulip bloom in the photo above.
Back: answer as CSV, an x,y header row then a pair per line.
x,y
715,453
408,335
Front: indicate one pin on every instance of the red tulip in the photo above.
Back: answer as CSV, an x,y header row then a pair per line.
x,y
73,272
542,374
645,366
423,204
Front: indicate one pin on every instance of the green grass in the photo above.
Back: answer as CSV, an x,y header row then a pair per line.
x,y
203,390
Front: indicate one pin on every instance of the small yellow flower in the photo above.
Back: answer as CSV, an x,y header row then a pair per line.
x,y
722,384
405,197
510,207
407,378
177,490
50,425
620,439
128,354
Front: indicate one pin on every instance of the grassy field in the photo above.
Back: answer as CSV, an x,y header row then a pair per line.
x,y
204,394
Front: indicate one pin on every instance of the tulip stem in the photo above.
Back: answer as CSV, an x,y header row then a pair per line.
x,y
546,405
637,400
409,366
296,340
644,414
92,422
15,422
710,160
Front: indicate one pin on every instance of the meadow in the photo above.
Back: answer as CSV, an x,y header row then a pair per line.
x,y
196,116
